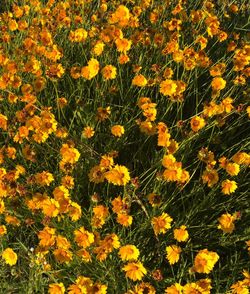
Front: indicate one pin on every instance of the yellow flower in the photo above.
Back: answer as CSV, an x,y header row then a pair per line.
x,y
88,132
98,48
168,87
204,261
79,35
218,83
232,169
47,237
139,81
227,223
124,219
211,177
119,175
56,288
228,187
62,255
174,289
96,174
173,253
109,72
241,158
239,288
50,207
168,161
117,130
190,288
135,270
161,223
9,256
128,252
181,234
3,122
3,230
123,45
197,123
83,238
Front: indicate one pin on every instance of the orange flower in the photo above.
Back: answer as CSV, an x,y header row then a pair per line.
x,y
47,237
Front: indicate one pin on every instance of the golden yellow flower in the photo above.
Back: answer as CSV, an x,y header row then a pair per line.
x,y
57,288
117,130
204,261
128,252
161,223
139,81
119,175
173,254
168,87
83,238
88,132
228,187
109,72
3,230
123,45
227,223
232,169
135,270
218,83
181,234
197,123
124,219
174,289
9,256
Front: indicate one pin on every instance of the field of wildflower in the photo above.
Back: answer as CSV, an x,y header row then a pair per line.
x,y
124,146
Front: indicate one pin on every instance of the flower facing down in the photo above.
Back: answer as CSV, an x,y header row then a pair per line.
x,y
204,261
135,270
9,256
